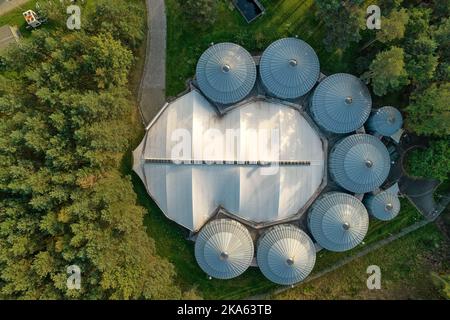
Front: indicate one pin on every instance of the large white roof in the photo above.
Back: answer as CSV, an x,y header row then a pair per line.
x,y
190,193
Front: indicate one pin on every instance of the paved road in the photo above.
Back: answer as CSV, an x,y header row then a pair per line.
x,y
8,5
152,95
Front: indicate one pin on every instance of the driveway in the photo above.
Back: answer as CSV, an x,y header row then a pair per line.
x,y
152,91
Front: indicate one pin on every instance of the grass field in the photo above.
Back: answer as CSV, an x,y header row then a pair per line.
x,y
281,19
406,271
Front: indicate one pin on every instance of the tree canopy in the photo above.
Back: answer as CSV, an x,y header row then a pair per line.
x,y
387,71
65,200
429,111
343,21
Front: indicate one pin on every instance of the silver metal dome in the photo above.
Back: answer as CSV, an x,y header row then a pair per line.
x,y
341,103
224,249
338,221
385,121
226,73
286,254
383,206
359,163
289,68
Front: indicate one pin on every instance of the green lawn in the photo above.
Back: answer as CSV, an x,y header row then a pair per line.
x,y
406,271
281,19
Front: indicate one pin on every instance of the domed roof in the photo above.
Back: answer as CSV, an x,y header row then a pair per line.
x,y
226,73
341,103
359,163
338,221
224,249
289,68
385,121
286,254
383,206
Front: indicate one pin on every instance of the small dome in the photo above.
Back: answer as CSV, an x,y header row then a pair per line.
x,y
286,254
383,206
224,249
289,68
341,103
226,73
385,121
359,163
338,221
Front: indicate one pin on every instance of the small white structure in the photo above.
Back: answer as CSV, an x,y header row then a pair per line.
x,y
32,18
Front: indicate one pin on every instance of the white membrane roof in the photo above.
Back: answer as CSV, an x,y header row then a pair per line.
x,y
189,193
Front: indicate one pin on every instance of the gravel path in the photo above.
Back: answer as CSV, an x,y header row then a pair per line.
x,y
152,89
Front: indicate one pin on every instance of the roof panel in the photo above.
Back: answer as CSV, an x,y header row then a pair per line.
x,y
289,68
226,73
338,221
383,206
385,121
359,163
341,103
285,254
224,249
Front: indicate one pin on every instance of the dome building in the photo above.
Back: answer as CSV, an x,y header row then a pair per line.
x,y
285,254
289,68
338,221
239,163
359,163
383,206
385,121
224,249
341,103
226,73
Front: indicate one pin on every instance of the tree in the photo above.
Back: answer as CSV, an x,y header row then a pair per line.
x,y
123,20
429,111
387,71
202,13
343,21
393,27
65,127
432,162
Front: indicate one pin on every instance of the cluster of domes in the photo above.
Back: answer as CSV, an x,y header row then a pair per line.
x,y
358,163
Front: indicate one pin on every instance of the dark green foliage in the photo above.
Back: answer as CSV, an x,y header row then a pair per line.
x,y
432,162
65,126
387,71
122,19
343,21
429,111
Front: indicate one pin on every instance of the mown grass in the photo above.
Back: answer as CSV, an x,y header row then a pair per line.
x,y
406,271
286,18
